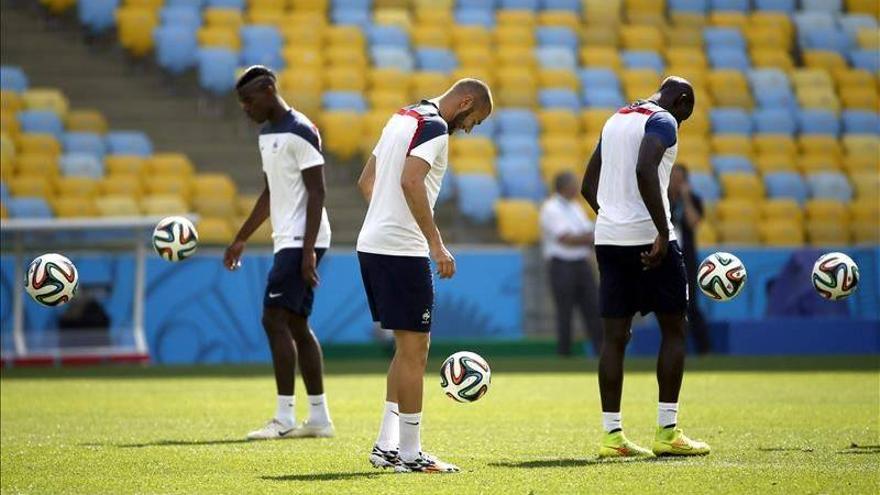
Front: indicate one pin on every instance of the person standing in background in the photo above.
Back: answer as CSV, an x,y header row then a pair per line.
x,y
567,240
687,213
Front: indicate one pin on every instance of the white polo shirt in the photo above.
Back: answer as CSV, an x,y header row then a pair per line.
x,y
287,148
389,227
560,216
623,218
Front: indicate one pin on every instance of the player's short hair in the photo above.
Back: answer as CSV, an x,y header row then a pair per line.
x,y
253,73
561,179
476,88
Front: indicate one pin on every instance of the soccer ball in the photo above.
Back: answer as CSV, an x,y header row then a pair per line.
x,y
51,280
175,238
465,376
835,276
721,276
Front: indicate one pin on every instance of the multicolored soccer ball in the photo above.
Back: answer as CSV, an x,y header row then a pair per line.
x,y
51,280
175,238
835,276
465,376
721,276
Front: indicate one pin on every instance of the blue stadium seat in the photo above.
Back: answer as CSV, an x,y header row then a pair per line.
x,y
352,4
729,5
776,98
786,185
4,192
84,142
436,59
594,78
768,79
476,4
515,145
730,121
690,6
517,121
818,122
832,39
572,5
261,45
447,187
97,15
726,164
388,36
475,17
392,57
852,23
176,47
565,99
518,4
24,207
520,178
811,21
217,69
717,37
12,78
128,143
603,98
81,165
487,128
705,186
226,4
344,100
786,6
634,59
351,17
477,194
556,57
181,15
41,121
861,122
186,3
830,185
774,121
729,58
832,6
865,59
557,36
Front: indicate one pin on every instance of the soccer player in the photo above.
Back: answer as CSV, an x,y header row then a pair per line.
x,y
293,196
400,181
640,262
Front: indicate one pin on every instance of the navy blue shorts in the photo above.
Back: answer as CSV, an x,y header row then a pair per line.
x,y
625,287
400,290
286,287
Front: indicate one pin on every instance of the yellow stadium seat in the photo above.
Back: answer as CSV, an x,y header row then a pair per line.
x,y
824,59
167,185
429,84
819,144
463,35
706,234
818,98
721,78
737,209
599,35
475,56
303,58
865,210
134,26
516,97
514,36
38,143
117,206
870,7
517,221
343,35
607,12
553,165
245,203
781,233
392,16
559,122
742,186
429,14
169,164
121,185
57,7
388,80
9,124
293,34
346,58
341,131
636,37
772,57
46,99
84,187
515,18
219,37
343,78
865,144
306,80
432,37
828,233
10,101
812,78
558,78
86,121
7,146
593,119
35,163
484,73
223,17
601,56
855,164
782,144
562,145
31,185
124,164
508,56
865,232
685,36
730,19
739,233
388,101
695,160
561,18
215,230
687,19
760,36
828,210
461,164
848,79
686,56
213,185
164,204
860,99
731,144
867,185
309,5
209,206
266,17
476,147
73,206
779,21
151,5
261,236
782,209
809,163
517,78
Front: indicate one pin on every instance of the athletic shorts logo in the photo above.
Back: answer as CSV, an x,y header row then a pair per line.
x,y
273,295
426,316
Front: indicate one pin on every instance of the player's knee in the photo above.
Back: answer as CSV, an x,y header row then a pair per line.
x,y
273,324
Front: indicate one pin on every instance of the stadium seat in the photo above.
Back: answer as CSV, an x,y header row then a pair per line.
x,y
261,45
464,164
828,233
215,230
774,121
830,185
176,164
167,185
732,144
867,185
558,99
117,206
209,206
781,233
774,143
559,121
818,122
517,221
520,177
28,207
731,121
782,209
121,185
861,122
213,185
217,69
81,164
38,143
477,195
809,163
40,122
124,164
786,185
128,143
86,121
738,210
742,186
97,15
435,60
72,207
28,163
31,186
739,233
556,57
600,56
134,26
83,142
341,131
163,204
13,78
729,58
392,57
724,164
514,145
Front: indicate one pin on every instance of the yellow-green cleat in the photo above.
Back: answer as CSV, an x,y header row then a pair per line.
x,y
672,441
617,445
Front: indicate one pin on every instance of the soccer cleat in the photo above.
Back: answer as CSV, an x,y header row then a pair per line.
x,y
273,430
425,463
383,458
309,430
617,445
671,441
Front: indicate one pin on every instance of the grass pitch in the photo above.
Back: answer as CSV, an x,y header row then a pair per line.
x,y
775,425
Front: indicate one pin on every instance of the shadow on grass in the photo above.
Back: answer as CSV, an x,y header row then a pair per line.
x,y
861,449
578,462
170,443
785,449
323,476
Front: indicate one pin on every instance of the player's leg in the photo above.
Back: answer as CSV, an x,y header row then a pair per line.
x,y
386,449
275,324
670,361
311,365
562,282
586,297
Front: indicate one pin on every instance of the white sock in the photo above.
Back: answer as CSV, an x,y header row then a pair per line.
x,y
667,413
612,421
285,412
318,412
410,436
389,431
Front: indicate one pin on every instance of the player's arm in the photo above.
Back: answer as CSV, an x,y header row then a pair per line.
x,y
590,186
259,214
647,175
577,239
412,181
313,179
693,212
368,176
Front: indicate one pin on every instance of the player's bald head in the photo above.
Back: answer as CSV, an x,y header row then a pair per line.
x,y
467,103
476,89
676,94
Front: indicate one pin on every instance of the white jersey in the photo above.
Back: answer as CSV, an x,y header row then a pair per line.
x,y
389,227
560,216
623,218
287,148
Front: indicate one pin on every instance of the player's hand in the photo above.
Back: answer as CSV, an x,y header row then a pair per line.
x,y
653,258
310,268
232,256
444,260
